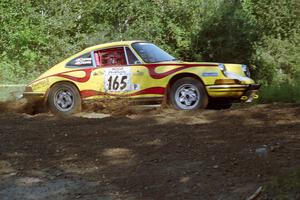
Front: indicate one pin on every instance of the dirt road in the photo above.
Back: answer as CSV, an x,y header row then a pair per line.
x,y
154,154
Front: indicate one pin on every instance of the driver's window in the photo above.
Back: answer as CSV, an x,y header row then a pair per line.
x,y
110,57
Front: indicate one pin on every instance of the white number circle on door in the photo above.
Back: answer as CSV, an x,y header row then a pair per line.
x,y
117,79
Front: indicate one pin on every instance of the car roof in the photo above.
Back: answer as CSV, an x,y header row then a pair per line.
x,y
113,44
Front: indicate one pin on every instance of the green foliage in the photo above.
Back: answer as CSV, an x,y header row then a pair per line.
x,y
10,93
287,93
276,56
227,35
277,61
278,18
35,35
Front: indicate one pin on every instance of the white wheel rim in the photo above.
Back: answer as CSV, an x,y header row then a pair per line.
x,y
64,100
187,96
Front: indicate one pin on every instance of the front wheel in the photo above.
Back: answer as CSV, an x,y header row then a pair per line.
x,y
64,99
188,94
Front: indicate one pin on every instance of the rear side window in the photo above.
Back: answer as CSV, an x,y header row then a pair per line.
x,y
110,57
84,60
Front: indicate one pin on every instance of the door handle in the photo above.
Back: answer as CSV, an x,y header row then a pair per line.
x,y
97,73
138,73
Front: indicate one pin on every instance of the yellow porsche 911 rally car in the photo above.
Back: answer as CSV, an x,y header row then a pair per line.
x,y
143,72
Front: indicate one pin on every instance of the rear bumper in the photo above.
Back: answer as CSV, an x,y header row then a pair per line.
x,y
33,95
235,92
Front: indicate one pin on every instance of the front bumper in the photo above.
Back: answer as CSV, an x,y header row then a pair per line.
x,y
246,92
251,93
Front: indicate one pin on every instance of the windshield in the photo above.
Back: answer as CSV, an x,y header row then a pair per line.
x,y
151,53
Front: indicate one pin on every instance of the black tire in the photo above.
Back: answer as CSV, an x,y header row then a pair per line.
x,y
64,99
188,94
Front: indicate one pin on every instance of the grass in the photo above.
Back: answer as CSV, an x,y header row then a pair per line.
x,y
285,187
285,93
10,92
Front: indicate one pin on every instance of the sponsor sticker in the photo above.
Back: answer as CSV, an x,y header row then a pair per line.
x,y
83,61
210,74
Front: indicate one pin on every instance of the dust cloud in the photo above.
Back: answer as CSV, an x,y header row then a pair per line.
x,y
27,106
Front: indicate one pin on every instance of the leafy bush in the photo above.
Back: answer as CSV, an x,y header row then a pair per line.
x,y
288,93
34,35
276,56
10,93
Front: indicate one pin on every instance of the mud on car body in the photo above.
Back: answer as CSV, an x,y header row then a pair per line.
x,y
140,71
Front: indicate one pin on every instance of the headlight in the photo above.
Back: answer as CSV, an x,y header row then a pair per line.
x,y
246,70
222,67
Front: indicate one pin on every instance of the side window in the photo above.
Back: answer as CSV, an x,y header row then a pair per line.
x,y
132,59
84,60
110,57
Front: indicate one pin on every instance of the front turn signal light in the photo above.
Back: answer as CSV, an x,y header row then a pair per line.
x,y
227,81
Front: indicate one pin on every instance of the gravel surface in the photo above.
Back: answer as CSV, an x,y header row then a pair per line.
x,y
147,154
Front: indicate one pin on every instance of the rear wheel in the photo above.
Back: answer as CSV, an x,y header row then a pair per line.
x,y
188,94
64,99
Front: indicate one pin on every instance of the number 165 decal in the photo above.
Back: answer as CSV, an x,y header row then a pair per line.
x,y
117,79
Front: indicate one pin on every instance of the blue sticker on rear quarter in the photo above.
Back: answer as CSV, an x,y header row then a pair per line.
x,y
210,74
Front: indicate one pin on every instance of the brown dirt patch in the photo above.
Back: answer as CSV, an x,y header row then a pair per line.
x,y
149,154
